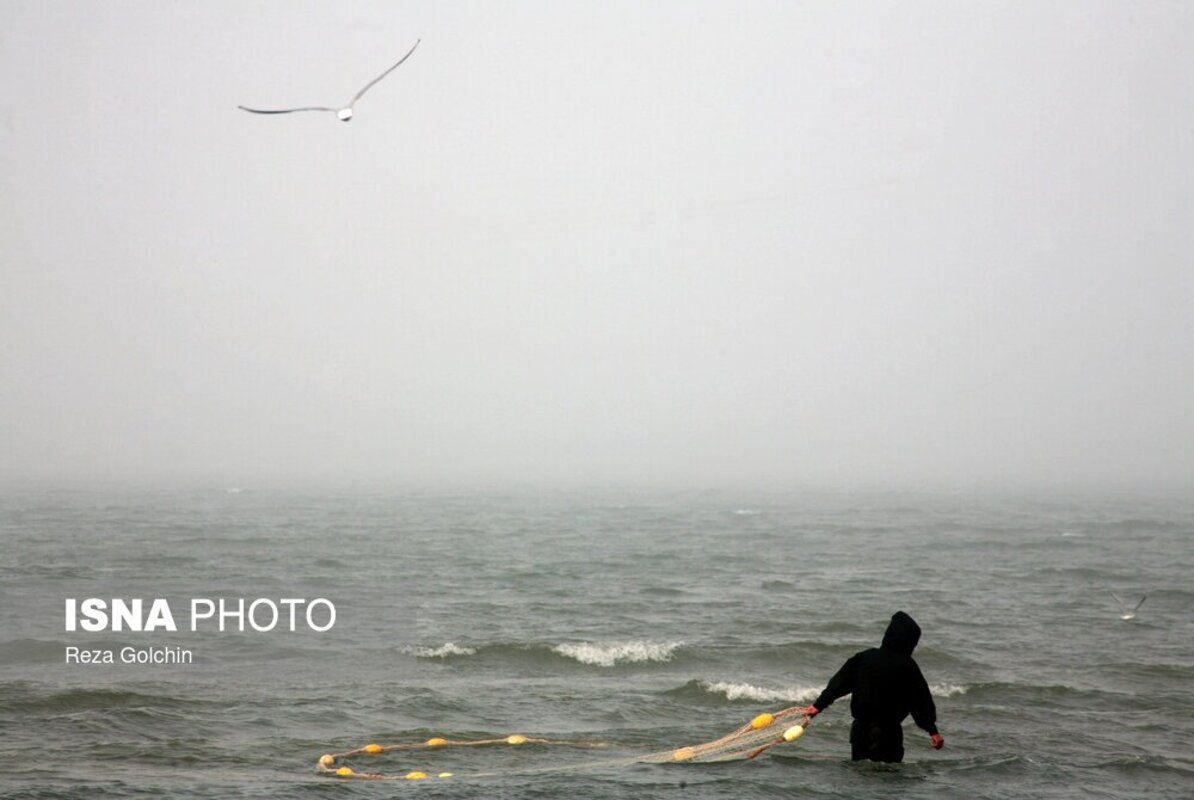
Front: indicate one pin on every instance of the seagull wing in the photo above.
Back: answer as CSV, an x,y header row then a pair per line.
x,y
371,83
1124,605
284,110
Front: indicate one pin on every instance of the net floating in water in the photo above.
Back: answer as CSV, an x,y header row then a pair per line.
x,y
762,732
332,764
746,742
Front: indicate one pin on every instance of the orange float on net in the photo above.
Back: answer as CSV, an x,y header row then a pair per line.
x,y
762,721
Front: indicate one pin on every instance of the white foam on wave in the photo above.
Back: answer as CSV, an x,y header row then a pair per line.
x,y
797,694
746,691
445,650
607,654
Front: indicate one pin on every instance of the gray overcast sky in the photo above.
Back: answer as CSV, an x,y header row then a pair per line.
x,y
706,242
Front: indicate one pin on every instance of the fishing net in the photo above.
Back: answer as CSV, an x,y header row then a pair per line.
x,y
746,742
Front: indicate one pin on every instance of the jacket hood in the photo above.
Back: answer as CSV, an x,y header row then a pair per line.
x,y
901,635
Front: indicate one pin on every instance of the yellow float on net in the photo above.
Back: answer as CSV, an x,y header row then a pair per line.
x,y
436,742
683,754
762,721
416,776
793,733
327,759
344,772
516,739
444,775
373,749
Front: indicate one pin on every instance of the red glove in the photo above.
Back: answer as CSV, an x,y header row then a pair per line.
x,y
810,711
938,741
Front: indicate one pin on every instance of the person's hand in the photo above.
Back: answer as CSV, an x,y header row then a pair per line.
x,y
810,711
938,741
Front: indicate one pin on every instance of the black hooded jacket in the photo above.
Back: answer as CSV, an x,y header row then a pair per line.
x,y
886,683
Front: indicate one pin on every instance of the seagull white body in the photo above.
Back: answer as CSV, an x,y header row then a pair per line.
x,y
1128,613
344,114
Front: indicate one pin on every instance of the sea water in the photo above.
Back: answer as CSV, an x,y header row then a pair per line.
x,y
640,620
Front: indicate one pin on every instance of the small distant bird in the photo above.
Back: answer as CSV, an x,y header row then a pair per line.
x,y
1128,613
345,113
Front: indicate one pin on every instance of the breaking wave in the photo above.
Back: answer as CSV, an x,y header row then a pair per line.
x,y
446,650
608,654
762,694
597,654
734,691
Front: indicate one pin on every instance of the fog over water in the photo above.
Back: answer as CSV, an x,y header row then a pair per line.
x,y
678,242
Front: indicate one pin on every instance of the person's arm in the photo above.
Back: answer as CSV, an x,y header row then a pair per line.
x,y
924,710
840,685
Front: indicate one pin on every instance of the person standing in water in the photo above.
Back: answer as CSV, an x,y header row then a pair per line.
x,y
887,686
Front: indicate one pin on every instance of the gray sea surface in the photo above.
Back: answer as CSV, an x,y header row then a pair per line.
x,y
641,620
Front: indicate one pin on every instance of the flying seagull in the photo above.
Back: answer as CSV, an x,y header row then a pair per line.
x,y
1128,613
345,114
